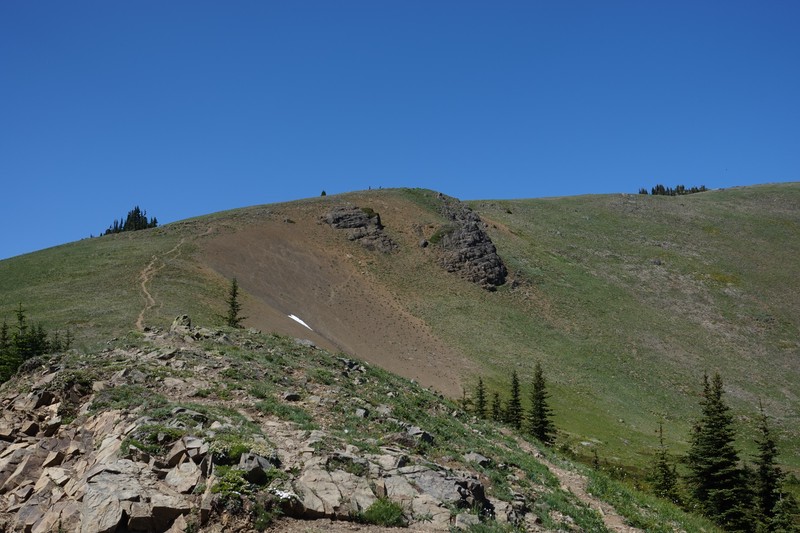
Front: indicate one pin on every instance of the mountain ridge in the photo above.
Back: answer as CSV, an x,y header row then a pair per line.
x,y
626,299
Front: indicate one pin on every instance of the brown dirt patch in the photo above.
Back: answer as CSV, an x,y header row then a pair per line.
x,y
303,269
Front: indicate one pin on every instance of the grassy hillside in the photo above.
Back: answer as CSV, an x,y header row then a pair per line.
x,y
625,299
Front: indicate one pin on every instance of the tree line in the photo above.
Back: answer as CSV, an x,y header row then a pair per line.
x,y
135,220
713,481
678,190
23,340
535,421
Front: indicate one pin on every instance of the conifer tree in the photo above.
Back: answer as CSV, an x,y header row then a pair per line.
x,y
480,399
232,318
665,476
539,423
514,407
768,475
497,410
715,480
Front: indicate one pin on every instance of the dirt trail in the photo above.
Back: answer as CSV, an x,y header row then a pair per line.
x,y
576,484
146,276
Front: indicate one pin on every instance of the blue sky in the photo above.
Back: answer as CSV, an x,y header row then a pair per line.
x,y
188,107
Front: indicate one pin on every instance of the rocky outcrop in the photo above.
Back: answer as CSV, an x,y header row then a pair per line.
x,y
466,249
84,449
363,225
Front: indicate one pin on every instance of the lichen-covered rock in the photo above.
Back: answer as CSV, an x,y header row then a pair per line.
x,y
362,225
465,247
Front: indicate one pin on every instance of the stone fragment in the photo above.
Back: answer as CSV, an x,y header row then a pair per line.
x,y
466,520
255,467
166,508
30,428
184,477
481,460
420,434
139,517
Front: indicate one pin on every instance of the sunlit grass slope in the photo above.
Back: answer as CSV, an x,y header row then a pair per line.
x,y
625,299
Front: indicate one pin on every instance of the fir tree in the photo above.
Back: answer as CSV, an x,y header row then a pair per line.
x,y
514,407
786,515
665,476
768,475
480,399
497,410
715,480
539,423
232,318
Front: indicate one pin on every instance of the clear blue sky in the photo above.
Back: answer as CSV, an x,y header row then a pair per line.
x,y
191,107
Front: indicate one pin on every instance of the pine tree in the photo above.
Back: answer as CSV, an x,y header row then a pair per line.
x,y
232,318
8,360
665,476
514,406
497,410
769,475
480,399
539,423
786,515
716,482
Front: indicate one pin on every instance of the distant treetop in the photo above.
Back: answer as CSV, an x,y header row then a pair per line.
x,y
136,220
679,190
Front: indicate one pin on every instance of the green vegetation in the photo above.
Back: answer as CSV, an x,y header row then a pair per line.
x,y
679,190
384,512
134,221
25,340
624,300
233,319
540,424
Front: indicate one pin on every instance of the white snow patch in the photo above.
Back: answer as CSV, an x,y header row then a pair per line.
x,y
300,321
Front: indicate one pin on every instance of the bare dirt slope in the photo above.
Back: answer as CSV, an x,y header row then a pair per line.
x,y
289,263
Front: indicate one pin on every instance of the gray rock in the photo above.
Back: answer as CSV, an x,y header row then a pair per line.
x,y
255,468
184,477
363,225
420,434
466,520
466,249
473,457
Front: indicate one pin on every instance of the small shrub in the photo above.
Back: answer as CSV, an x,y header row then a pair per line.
x,y
289,413
384,512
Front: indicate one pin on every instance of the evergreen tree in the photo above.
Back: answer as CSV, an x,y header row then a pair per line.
x,y
665,476
134,221
497,410
768,474
539,423
20,343
8,360
232,318
786,515
715,480
480,399
514,406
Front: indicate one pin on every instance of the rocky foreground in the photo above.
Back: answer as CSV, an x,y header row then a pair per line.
x,y
202,430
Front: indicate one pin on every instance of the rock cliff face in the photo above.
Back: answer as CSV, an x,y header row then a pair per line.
x,y
202,430
467,249
362,225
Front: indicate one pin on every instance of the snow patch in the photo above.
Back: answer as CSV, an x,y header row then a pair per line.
x,y
300,321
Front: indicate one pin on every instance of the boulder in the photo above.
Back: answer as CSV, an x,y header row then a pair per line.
x,y
255,468
183,477
362,225
466,249
181,325
481,460
420,434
